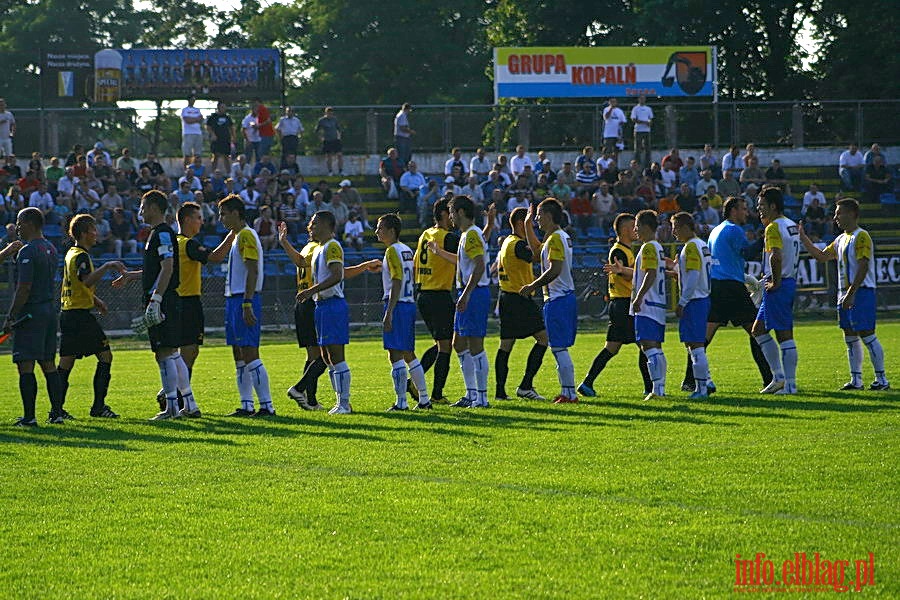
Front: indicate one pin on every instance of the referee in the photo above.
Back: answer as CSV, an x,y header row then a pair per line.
x,y
730,300
35,340
620,270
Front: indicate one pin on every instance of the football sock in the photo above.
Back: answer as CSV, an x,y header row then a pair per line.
x,y
535,358
855,358
441,371
417,374
28,389
769,349
310,379
876,353
102,376
645,372
168,373
259,379
760,359
701,369
64,381
656,364
184,384
501,369
468,373
398,373
597,366
429,358
54,390
689,370
299,386
480,364
565,371
342,383
245,388
789,360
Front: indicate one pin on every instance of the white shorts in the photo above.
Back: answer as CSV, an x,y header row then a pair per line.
x,y
6,147
191,144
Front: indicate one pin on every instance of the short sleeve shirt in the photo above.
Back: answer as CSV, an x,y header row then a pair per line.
x,y
36,264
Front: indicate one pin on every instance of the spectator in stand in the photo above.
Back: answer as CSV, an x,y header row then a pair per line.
x,y
686,199
103,171
290,214
94,183
403,133
86,199
624,189
814,218
265,163
675,157
36,164
111,199
391,170
266,228
122,183
706,215
217,183
65,187
455,162
642,117
251,198
518,162
126,164
191,131
541,189
517,199
145,181
221,132
120,232
450,186
350,196
29,183
655,173
870,155
353,232
428,195
713,199
479,166
587,178
530,177
613,123
604,206
752,173
732,162
329,131
40,198
182,194
12,170
264,127
7,129
750,194
775,176
561,190
198,167
877,179
192,180
810,195
241,169
322,188
729,186
647,190
153,166
581,211
546,169
318,204
105,242
340,211
688,174
54,174
252,139
62,212
668,177
604,164
289,129
16,200
289,164
750,153
9,237
71,157
412,181
587,156
473,191
494,182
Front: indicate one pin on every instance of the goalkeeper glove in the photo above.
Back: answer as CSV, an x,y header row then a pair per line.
x,y
139,324
154,315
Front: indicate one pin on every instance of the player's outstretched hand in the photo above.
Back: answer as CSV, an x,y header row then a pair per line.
x,y
374,265
282,232
614,267
117,266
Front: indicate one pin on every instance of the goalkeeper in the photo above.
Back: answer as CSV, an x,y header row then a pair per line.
x,y
162,316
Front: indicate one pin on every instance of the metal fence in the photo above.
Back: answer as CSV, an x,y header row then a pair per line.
x,y
368,129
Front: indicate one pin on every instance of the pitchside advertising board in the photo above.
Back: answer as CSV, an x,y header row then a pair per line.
x,y
812,275
165,74
577,72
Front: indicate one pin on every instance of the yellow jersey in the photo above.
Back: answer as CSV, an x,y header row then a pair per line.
x,y
619,285
76,295
515,264
305,274
433,272
191,257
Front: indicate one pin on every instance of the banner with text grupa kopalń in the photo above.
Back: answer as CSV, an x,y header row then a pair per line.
x,y
581,72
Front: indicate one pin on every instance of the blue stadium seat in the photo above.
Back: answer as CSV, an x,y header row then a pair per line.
x,y
211,241
596,233
888,199
53,231
290,269
272,268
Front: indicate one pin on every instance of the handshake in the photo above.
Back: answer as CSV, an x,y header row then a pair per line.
x,y
152,316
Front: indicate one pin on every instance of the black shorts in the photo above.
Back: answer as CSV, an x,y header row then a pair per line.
x,y
289,144
192,321
520,317
36,338
621,324
305,324
168,333
437,309
332,146
730,301
80,334
220,147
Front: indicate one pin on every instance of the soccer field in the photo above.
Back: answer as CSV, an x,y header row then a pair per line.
x,y
613,497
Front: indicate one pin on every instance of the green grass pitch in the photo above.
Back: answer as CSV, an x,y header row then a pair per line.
x,y
613,497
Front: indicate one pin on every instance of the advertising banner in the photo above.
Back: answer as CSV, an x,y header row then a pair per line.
x,y
66,77
582,72
165,74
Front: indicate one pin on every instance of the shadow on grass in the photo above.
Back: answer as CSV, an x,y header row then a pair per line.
x,y
802,402
100,438
656,410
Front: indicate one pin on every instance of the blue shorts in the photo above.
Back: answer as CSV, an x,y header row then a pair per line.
x,y
561,319
862,316
649,330
332,322
692,326
472,322
238,333
403,335
777,308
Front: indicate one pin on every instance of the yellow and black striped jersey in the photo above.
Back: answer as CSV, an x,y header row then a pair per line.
x,y
515,264
76,295
433,272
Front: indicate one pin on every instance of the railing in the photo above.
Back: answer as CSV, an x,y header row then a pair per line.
x,y
368,129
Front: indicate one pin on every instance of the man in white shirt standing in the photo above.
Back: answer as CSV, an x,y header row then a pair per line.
x,y
289,129
7,129
613,120
850,168
191,131
642,116
403,133
518,162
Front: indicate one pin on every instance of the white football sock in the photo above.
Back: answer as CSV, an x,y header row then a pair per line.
x,y
245,387
417,374
769,348
855,358
480,364
468,373
876,353
398,373
565,372
168,374
342,383
184,384
700,365
789,360
259,379
656,364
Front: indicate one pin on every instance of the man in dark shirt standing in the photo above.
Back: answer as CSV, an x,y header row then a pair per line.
x,y
35,339
221,136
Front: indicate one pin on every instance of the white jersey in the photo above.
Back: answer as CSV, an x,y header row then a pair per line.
x,y
694,265
246,246
326,254
650,258
558,247
849,249
191,112
783,233
471,249
398,264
